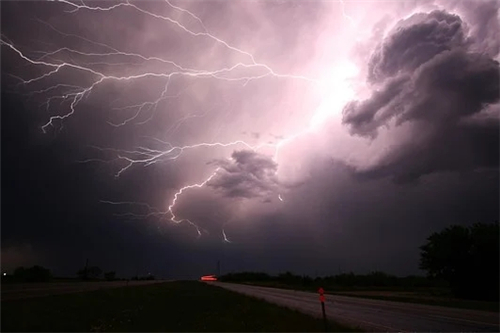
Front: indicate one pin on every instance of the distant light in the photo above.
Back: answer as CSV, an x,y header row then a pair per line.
x,y
208,278
4,274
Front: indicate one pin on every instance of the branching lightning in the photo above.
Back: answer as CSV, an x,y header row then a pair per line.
x,y
144,156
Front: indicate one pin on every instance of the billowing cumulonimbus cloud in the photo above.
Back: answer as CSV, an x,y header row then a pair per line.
x,y
366,116
415,41
247,175
427,73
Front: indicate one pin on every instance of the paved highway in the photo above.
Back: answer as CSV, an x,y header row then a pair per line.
x,y
377,315
29,290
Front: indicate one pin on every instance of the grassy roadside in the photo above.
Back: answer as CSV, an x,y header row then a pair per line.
x,y
416,299
174,306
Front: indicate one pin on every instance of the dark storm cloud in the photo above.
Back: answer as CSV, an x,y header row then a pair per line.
x,y
382,104
431,79
248,175
330,216
334,221
454,84
414,42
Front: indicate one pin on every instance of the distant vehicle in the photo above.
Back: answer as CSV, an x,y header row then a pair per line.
x,y
209,278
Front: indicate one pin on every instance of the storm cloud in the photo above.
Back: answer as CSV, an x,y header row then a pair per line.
x,y
415,41
426,74
248,175
314,137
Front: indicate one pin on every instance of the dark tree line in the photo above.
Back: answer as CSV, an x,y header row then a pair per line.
x,y
337,282
95,273
41,274
89,273
31,274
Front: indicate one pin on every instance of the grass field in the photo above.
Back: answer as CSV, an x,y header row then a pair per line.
x,y
173,306
427,296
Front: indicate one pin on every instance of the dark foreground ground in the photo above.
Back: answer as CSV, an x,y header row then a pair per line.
x,y
173,306
377,315
30,290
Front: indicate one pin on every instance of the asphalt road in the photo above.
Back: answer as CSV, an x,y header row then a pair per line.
x,y
377,315
29,290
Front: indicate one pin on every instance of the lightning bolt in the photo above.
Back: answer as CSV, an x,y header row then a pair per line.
x,y
342,4
146,156
87,66
225,237
188,13
173,218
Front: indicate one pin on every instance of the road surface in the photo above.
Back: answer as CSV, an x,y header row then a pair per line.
x,y
29,290
376,315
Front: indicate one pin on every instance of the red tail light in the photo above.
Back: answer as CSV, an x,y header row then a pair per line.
x,y
208,278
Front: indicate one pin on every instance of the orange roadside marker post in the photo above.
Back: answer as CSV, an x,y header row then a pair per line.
x,y
321,292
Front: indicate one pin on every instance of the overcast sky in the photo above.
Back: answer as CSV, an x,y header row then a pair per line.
x,y
314,137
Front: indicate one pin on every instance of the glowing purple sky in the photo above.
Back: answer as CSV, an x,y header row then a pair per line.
x,y
292,134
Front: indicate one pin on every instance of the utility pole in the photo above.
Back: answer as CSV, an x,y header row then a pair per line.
x,y
85,274
218,267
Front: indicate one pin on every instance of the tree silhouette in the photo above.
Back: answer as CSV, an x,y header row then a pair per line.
x,y
466,257
94,272
89,273
32,274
